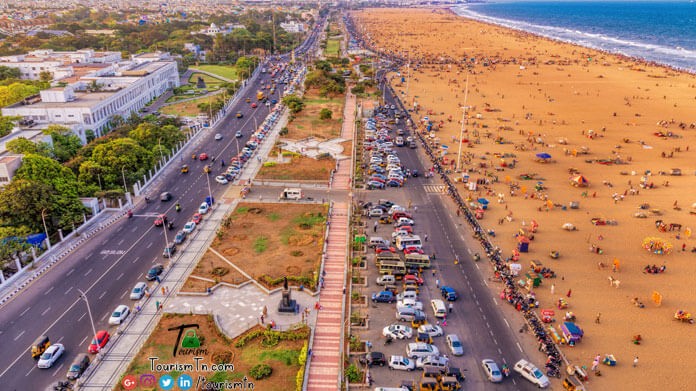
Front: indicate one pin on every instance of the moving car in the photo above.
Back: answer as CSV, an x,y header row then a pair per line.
x,y
254,105
39,346
449,293
203,156
531,373
218,137
138,291
154,272
189,227
398,331
401,363
78,366
99,341
51,355
455,344
160,220
239,114
238,134
490,368
119,315
166,196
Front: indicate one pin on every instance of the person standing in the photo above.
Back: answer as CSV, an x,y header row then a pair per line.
x,y
553,289
635,362
374,228
569,292
450,307
599,314
425,237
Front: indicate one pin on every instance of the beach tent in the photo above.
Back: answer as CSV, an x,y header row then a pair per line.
x,y
484,203
579,181
522,244
543,157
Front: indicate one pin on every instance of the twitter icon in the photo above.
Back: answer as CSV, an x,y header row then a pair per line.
x,y
166,382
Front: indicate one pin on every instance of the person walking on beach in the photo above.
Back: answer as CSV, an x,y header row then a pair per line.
x,y
569,292
599,314
553,289
635,362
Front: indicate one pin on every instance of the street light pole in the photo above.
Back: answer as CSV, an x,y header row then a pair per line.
x,y
159,146
83,296
43,218
123,175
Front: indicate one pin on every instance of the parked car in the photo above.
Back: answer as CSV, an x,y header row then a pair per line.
x,y
411,303
99,341
375,212
433,331
398,331
383,297
119,315
51,355
203,209
401,363
169,250
420,349
375,358
180,237
197,218
78,366
221,180
154,272
530,372
412,277
455,344
413,250
383,249
375,185
432,362
138,291
490,368
189,227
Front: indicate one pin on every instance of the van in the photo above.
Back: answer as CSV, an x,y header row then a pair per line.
x,y
439,308
408,314
291,194
408,241
407,295
39,346
386,280
377,241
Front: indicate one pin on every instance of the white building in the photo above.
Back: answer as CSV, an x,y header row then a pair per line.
x,y
121,88
214,30
293,27
59,64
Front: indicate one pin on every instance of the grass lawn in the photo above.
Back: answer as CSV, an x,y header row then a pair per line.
x,y
333,48
270,241
226,71
186,109
216,348
307,122
299,168
209,80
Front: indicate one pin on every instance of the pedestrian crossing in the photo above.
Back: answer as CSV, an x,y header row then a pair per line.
x,y
434,188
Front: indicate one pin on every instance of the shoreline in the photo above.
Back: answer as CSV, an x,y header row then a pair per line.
x,y
611,122
617,52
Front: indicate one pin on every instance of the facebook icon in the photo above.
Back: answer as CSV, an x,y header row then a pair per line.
x,y
184,382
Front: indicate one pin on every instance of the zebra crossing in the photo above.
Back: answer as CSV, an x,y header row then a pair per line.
x,y
434,188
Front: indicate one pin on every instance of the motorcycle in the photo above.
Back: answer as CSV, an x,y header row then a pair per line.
x,y
389,340
477,257
170,226
130,213
178,208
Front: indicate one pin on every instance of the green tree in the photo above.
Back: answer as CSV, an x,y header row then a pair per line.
x,y
325,114
323,65
294,103
22,146
150,135
22,201
122,157
245,65
15,92
66,144
9,73
66,207
46,76
7,124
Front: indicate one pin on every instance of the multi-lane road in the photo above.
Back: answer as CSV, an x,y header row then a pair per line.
x,y
107,267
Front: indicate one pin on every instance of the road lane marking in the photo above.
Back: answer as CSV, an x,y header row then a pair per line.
x,y
49,290
68,291
70,272
60,339
28,373
83,315
58,369
495,301
102,295
477,266
506,322
24,312
45,311
19,335
149,245
124,294
88,271
119,229
134,229
121,241
519,347
485,282
83,341
119,276
90,255
103,317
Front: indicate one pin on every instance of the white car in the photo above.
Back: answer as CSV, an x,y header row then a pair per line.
x,y
405,221
492,371
376,212
119,315
189,227
203,209
411,303
531,373
51,355
398,331
401,363
433,331
221,180
218,137
238,134
138,291
421,349
432,362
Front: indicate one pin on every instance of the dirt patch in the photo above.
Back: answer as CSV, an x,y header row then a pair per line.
x,y
213,267
286,240
186,109
215,348
307,123
299,168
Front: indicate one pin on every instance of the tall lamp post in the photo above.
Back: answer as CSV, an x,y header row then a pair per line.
x,y
123,175
43,218
159,146
83,296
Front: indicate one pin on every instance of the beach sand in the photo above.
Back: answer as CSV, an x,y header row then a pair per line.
x,y
529,95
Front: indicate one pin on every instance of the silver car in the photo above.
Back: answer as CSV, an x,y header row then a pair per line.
x,y
138,291
492,371
455,344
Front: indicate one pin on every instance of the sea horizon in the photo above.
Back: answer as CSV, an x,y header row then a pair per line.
x,y
656,31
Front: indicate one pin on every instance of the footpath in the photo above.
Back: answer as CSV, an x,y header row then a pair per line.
x,y
325,361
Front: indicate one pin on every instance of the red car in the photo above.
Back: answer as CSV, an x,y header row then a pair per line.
x,y
160,220
406,228
99,341
411,277
254,105
413,250
396,215
383,249
197,218
203,156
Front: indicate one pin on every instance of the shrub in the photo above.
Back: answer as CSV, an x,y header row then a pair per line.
x,y
353,373
269,164
260,244
325,114
260,371
284,131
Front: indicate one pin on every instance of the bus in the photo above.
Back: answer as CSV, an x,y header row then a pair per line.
x,y
393,267
408,241
387,256
417,261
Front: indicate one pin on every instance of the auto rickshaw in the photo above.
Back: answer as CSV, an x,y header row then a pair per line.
x,y
424,337
184,169
206,169
415,323
39,346
450,383
429,384
432,373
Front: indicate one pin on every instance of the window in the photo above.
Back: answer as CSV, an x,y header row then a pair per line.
x,y
4,179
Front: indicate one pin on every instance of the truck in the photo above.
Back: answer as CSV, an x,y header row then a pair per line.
x,y
259,95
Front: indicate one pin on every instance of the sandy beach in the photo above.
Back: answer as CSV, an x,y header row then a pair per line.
x,y
605,117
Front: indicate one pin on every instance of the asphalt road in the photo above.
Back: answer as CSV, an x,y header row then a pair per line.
x,y
477,317
107,266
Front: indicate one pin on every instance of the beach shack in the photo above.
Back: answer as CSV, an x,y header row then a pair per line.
x,y
522,244
571,333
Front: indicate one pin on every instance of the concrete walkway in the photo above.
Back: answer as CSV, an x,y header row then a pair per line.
x,y
325,365
341,179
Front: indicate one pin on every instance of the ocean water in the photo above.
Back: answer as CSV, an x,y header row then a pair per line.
x,y
660,31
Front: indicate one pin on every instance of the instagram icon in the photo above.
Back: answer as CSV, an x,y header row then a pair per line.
x,y
148,380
